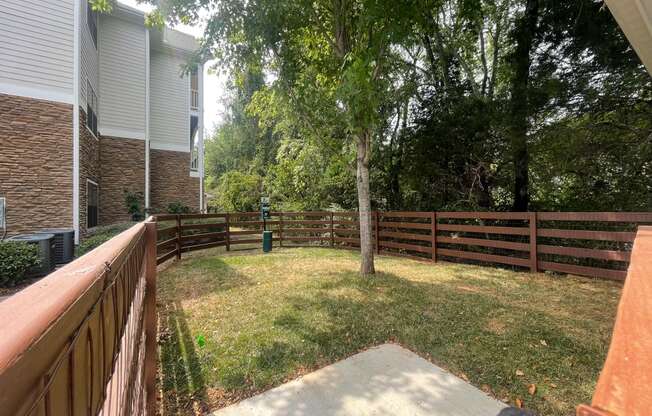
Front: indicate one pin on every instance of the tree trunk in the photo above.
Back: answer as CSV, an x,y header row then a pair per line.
x,y
524,35
364,203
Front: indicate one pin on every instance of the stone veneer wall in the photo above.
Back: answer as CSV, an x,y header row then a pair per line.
x,y
35,163
89,167
170,181
122,165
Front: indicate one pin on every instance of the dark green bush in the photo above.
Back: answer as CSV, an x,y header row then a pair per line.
x,y
16,257
99,236
178,208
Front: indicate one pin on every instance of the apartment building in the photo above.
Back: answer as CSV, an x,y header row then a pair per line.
x,y
94,107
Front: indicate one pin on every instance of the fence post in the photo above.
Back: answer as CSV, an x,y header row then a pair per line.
x,y
377,232
150,317
228,232
332,232
433,235
280,229
178,237
533,242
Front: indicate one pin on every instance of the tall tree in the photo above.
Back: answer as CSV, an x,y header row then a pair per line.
x,y
337,48
524,36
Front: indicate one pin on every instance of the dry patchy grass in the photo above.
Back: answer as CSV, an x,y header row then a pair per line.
x,y
234,325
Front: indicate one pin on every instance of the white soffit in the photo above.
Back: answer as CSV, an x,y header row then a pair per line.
x,y
635,19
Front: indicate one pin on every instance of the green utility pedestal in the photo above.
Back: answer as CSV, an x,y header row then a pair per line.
x,y
267,241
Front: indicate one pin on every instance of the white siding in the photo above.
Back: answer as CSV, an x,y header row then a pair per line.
x,y
88,57
36,48
122,78
169,103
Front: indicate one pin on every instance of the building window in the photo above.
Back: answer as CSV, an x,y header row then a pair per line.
x,y
92,204
91,109
91,18
194,90
194,145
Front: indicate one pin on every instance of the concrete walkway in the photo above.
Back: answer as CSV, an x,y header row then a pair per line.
x,y
386,380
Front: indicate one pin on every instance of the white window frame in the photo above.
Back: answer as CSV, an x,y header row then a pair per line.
x,y
92,104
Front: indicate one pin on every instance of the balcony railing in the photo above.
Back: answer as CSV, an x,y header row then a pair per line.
x,y
194,99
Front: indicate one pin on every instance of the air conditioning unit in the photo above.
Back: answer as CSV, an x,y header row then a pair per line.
x,y
45,243
64,244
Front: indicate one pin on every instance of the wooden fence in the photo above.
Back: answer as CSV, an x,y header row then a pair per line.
x,y
82,341
595,244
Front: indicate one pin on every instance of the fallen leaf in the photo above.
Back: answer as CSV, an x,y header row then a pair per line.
x,y
485,388
519,403
464,377
532,388
520,373
553,385
544,343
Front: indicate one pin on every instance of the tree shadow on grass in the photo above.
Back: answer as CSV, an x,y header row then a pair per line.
x,y
182,382
181,377
451,327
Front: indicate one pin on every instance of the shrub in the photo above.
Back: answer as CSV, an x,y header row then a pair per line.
x,y
99,236
178,208
134,202
16,258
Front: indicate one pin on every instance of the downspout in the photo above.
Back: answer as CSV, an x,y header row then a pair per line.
x,y
147,76
200,87
75,121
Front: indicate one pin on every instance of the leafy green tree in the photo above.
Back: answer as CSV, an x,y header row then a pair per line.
x,y
238,192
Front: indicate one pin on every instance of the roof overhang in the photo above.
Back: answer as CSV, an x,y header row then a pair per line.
x,y
635,19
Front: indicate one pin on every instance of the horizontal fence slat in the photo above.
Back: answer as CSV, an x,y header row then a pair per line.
x,y
405,255
300,238
582,270
192,237
165,217
596,216
404,214
585,252
195,216
484,215
406,236
414,225
306,230
194,247
491,258
623,236
166,257
165,243
484,229
199,226
306,214
509,245
309,222
251,223
412,247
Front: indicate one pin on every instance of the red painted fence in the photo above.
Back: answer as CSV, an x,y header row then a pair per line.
x,y
595,244
82,341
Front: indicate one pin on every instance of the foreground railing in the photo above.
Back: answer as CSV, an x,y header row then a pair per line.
x,y
82,341
626,379
596,244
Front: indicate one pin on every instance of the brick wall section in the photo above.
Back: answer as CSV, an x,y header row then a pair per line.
x,y
122,164
170,181
89,166
35,163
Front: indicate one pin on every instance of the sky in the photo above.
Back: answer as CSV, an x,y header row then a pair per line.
x,y
213,83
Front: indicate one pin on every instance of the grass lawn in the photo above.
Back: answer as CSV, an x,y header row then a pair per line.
x,y
236,324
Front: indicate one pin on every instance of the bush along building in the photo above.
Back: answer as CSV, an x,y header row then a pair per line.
x,y
101,117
